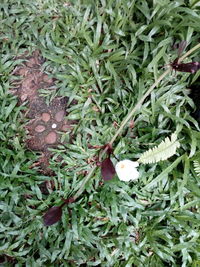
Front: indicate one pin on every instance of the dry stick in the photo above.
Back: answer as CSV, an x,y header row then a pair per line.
x,y
128,117
124,122
137,106
189,52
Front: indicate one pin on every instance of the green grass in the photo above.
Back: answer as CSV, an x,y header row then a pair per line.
x,y
105,54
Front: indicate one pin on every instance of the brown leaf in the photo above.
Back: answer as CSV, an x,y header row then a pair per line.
x,y
53,215
107,169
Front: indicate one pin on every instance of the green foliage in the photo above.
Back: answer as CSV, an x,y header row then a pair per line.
x,y
163,151
105,54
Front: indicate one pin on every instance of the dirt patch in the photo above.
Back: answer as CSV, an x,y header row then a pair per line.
x,y
46,122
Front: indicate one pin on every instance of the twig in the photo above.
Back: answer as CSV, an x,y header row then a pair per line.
x,y
128,117
189,52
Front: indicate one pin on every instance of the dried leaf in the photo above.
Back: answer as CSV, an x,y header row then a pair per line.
x,y
69,200
181,47
107,169
53,215
191,67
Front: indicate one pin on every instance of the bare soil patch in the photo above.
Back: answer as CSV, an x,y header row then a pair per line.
x,y
45,122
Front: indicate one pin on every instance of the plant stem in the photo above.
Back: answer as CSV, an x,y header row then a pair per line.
x,y
137,106
189,52
128,117
85,180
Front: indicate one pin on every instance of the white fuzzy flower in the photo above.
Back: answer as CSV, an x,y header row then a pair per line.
x,y
127,170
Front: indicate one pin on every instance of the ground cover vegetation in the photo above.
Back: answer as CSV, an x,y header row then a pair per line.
x,y
102,57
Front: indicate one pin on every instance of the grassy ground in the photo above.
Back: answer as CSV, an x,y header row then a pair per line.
x,y
104,54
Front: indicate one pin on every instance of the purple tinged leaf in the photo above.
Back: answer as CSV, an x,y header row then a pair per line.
x,y
191,67
107,169
53,215
181,47
68,200
109,150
